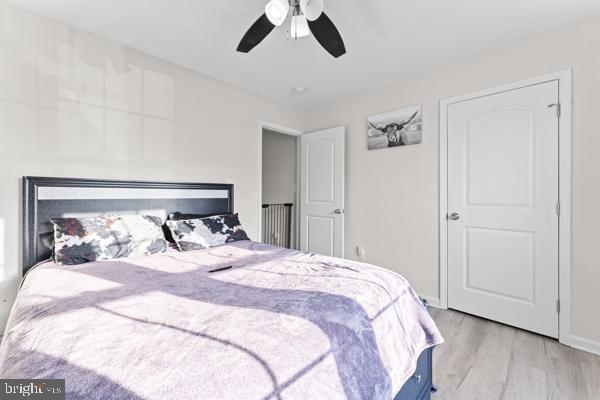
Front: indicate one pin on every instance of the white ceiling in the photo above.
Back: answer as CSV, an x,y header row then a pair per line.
x,y
387,40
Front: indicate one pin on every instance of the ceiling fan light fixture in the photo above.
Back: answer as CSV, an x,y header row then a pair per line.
x,y
299,27
312,9
277,11
308,18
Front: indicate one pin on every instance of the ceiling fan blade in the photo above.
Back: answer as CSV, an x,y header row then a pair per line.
x,y
327,35
257,32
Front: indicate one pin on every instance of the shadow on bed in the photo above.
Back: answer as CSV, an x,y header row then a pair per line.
x,y
89,384
391,304
343,320
277,387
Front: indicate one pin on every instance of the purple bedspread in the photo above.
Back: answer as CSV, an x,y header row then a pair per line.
x,y
281,324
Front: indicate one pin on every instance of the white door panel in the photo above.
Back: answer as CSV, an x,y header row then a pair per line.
x,y
321,171
321,236
503,184
322,192
490,138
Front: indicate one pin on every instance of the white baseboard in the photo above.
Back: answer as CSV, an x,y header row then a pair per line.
x,y
431,301
589,345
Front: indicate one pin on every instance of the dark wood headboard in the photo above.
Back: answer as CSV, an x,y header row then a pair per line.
x,y
45,198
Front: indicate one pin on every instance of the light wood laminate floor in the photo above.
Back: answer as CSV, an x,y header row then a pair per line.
x,y
485,360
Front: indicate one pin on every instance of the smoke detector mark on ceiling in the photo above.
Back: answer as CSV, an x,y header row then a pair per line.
x,y
299,90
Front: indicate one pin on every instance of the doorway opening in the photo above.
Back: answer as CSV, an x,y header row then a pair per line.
x,y
279,189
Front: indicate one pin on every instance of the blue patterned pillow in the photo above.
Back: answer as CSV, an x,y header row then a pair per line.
x,y
81,240
201,233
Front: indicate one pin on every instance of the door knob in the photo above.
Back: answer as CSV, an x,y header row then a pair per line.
x,y
338,211
453,217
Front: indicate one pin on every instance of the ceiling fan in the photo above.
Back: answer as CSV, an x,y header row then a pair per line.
x,y
307,17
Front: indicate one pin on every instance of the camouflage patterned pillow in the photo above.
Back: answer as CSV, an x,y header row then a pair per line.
x,y
201,233
81,240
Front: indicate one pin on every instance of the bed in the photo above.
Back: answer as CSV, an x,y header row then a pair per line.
x,y
278,324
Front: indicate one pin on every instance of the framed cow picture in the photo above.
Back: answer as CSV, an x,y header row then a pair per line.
x,y
395,128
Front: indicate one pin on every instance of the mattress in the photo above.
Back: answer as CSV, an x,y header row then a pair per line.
x,y
278,324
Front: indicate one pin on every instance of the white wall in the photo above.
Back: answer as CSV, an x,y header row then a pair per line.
x,y
77,106
278,168
392,195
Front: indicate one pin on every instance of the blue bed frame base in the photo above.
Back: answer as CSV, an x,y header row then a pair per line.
x,y
420,385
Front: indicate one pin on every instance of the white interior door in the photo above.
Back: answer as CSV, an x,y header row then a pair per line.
x,y
322,192
502,207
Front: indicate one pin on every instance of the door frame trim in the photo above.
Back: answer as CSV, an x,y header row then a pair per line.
x,y
259,138
564,78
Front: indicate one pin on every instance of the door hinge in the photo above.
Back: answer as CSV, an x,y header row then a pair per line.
x,y
558,208
558,108
558,306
